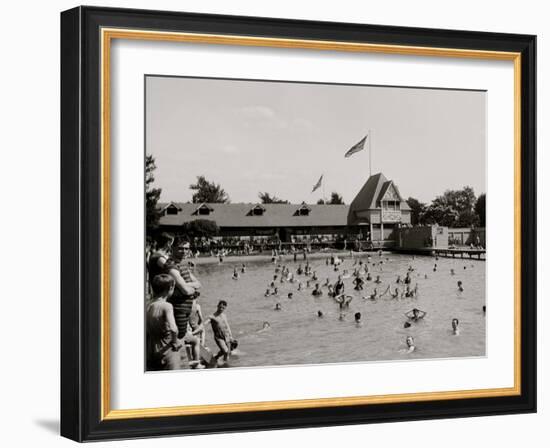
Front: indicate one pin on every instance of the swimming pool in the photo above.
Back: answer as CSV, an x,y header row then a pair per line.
x,y
297,336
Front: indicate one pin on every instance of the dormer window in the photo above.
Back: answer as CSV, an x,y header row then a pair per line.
x,y
303,210
258,210
172,210
203,210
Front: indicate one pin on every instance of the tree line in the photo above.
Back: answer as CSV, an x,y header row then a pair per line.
x,y
454,208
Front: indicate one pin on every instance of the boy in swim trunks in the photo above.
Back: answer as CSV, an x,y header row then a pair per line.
x,y
222,331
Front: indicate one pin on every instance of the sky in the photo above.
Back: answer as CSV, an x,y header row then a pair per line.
x,y
280,137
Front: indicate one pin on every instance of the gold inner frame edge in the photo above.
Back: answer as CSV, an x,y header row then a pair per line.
x,y
107,35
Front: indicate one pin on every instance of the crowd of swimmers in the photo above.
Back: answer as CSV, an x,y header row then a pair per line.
x,y
362,272
176,328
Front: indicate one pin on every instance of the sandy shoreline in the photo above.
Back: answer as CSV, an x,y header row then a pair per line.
x,y
285,258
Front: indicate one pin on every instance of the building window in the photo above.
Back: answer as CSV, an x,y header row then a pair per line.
x,y
204,210
172,210
304,212
258,211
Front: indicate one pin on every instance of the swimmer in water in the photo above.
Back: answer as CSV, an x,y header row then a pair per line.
x,y
415,314
358,282
243,268
299,271
378,280
330,291
435,267
452,272
460,287
410,344
454,324
317,291
307,285
235,274
320,313
373,296
343,301
398,279
395,294
327,283
278,307
357,317
299,286
369,278
339,286
289,295
267,293
266,326
314,276
275,291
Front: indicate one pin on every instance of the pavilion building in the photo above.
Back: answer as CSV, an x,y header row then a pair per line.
x,y
375,212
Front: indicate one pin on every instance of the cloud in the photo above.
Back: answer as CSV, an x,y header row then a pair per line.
x,y
229,149
257,111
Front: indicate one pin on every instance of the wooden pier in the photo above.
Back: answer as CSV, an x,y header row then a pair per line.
x,y
463,252
460,252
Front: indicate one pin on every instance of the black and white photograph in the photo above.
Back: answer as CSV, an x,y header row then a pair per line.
x,y
295,223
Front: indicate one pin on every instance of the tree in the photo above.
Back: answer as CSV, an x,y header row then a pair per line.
x,y
335,198
152,195
459,200
467,219
266,198
443,215
417,209
206,191
480,209
455,208
200,228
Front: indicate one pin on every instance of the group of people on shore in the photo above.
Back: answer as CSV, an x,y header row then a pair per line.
x,y
175,325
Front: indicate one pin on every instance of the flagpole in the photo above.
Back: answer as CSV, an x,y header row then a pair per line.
x,y
324,198
370,152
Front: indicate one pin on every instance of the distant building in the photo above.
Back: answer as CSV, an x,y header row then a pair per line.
x,y
375,212
380,207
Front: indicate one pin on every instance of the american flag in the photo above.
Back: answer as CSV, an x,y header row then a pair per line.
x,y
318,184
357,147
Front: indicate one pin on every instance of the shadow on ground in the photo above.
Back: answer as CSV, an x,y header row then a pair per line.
x,y
49,425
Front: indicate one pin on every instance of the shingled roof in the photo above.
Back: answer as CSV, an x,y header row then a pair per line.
x,y
275,215
373,191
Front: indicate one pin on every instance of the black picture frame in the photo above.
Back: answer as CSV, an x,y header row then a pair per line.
x,y
81,224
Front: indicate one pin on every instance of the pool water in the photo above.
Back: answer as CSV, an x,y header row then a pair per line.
x,y
297,336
